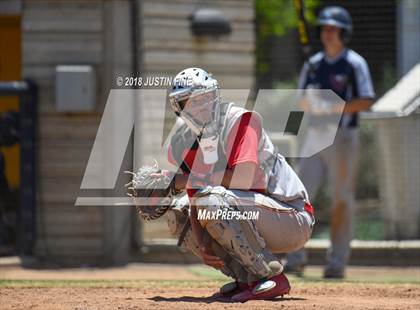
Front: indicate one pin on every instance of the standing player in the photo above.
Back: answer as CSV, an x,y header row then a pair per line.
x,y
346,73
229,165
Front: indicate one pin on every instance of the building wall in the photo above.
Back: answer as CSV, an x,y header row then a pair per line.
x,y
168,46
98,33
70,32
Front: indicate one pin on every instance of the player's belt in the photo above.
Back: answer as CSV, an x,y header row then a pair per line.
x,y
308,208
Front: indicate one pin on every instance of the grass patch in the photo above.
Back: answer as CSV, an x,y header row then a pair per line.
x,y
208,273
314,275
147,284
364,229
392,279
369,229
212,279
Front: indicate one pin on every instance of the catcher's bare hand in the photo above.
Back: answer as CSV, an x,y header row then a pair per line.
x,y
209,258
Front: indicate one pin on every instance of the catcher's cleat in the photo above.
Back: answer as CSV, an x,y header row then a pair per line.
x,y
275,286
230,289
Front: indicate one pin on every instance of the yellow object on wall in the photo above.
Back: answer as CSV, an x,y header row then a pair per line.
x,y
10,70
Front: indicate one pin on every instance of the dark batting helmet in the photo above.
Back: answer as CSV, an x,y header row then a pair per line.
x,y
339,17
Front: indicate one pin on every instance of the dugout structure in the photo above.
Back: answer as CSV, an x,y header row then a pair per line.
x,y
397,119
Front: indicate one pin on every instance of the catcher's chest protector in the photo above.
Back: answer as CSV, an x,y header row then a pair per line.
x,y
282,183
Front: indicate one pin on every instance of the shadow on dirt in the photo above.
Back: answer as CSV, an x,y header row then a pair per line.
x,y
212,299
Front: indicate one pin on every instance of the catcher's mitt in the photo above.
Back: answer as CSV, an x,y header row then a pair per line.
x,y
152,182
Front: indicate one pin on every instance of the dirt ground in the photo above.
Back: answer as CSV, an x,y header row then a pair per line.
x,y
152,286
303,297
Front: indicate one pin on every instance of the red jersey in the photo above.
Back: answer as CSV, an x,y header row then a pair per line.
x,y
242,146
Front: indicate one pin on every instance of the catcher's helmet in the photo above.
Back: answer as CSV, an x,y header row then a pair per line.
x,y
193,89
339,17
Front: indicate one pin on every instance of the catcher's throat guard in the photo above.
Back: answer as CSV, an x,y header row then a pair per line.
x,y
209,148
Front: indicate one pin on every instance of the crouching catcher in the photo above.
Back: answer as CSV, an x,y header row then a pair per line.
x,y
229,169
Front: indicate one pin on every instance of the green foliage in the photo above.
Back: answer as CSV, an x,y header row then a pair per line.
x,y
276,17
367,175
286,84
389,78
369,229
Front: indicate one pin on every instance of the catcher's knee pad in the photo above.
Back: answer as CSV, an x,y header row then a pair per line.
x,y
177,216
232,268
176,219
239,238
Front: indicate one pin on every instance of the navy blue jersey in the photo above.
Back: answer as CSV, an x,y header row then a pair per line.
x,y
347,75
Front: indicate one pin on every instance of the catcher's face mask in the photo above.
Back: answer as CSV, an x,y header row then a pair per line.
x,y
195,97
200,111
200,107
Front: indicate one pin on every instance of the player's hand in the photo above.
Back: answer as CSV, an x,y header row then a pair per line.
x,y
209,258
